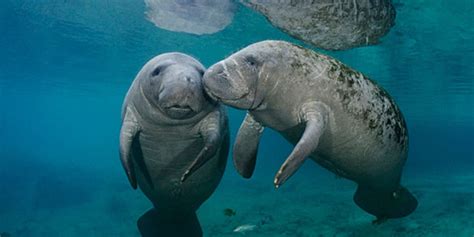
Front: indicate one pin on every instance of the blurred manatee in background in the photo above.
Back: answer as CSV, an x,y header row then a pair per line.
x,y
329,24
191,16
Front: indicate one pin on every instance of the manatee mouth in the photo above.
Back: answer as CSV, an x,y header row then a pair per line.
x,y
221,99
179,108
179,111
213,93
210,94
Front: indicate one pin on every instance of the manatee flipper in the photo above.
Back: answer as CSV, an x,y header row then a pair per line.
x,y
314,116
385,204
137,157
152,224
246,146
212,131
128,133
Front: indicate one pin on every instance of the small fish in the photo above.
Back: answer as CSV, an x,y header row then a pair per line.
x,y
227,212
245,228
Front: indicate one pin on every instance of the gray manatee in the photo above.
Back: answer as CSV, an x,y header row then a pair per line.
x,y
329,24
333,115
191,16
170,128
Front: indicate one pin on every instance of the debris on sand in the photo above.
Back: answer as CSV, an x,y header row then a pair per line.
x,y
245,228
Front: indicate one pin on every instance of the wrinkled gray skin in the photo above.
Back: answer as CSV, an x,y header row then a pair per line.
x,y
170,128
191,16
333,115
329,24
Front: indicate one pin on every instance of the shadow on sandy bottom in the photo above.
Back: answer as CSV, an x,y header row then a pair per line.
x,y
320,206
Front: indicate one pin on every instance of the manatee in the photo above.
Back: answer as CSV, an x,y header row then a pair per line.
x,y
170,128
329,24
333,115
191,16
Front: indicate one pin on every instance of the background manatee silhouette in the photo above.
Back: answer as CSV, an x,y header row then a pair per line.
x,y
329,24
191,16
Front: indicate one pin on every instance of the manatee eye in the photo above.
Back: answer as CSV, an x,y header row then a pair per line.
x,y
251,61
157,71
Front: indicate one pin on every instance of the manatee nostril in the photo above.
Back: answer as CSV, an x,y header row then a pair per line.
x,y
218,69
188,79
222,75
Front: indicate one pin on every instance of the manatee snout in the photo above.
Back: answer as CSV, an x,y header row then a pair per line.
x,y
182,96
224,82
215,81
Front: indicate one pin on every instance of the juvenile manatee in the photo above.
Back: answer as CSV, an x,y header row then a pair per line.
x,y
329,24
333,115
169,128
191,16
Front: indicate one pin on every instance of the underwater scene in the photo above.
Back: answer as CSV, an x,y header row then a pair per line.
x,y
276,118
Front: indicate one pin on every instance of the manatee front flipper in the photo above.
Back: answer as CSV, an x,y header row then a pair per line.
x,y
153,224
314,116
128,133
213,131
246,146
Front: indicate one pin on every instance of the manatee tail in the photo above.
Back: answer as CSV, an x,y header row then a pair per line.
x,y
383,204
152,224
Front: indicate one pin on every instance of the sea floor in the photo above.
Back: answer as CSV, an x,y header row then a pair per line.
x,y
316,204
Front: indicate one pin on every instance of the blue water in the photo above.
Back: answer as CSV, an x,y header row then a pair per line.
x,y
65,67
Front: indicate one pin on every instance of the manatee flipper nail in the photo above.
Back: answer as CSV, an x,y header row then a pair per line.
x,y
128,133
314,118
246,146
